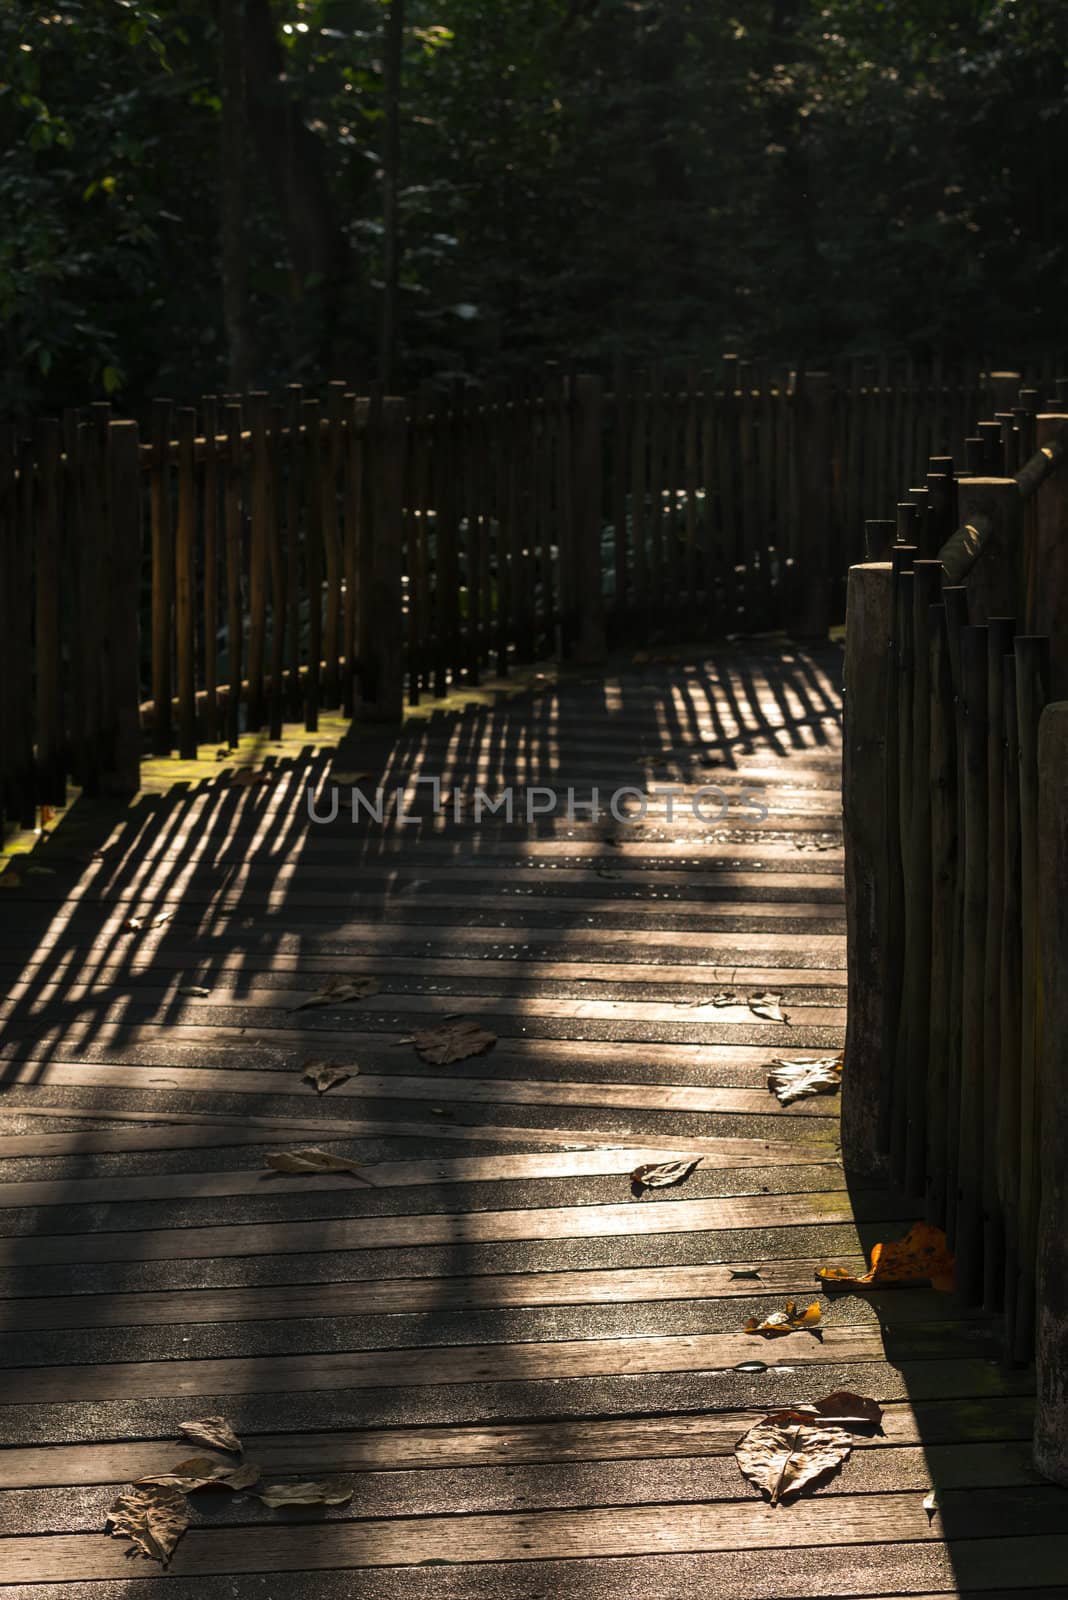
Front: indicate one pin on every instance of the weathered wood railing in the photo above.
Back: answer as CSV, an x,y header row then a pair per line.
x,y
306,552
954,645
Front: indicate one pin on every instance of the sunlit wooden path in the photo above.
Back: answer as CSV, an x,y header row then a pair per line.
x,y
532,1380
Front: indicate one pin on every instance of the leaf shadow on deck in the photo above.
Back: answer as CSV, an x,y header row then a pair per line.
x,y
265,906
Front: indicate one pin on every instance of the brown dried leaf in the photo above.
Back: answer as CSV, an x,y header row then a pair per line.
x,y
842,1409
767,1006
201,1472
454,1040
215,1432
194,991
277,1495
789,1321
725,999
784,1459
662,1175
805,1076
153,1515
312,1160
324,1075
339,991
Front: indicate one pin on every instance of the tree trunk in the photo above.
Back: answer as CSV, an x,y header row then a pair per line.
x,y
391,155
232,193
294,164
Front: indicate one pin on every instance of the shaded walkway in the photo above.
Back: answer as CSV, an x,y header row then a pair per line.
x,y
529,1377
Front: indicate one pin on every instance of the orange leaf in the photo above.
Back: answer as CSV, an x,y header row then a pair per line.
x,y
922,1256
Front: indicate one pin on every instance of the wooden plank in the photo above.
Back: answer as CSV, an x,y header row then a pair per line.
x,y
838,1521
407,1368
561,1222
508,1445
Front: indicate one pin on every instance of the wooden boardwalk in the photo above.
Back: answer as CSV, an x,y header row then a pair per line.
x,y
531,1380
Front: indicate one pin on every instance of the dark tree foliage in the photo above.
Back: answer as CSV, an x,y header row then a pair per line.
x,y
575,178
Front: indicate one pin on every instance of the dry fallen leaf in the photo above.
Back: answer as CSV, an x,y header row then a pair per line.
x,y
725,999
842,1409
339,991
312,1160
930,1505
137,924
454,1040
922,1256
805,1076
201,1472
783,1459
767,1006
153,1515
215,1432
789,1321
664,1174
324,1075
276,1495
194,991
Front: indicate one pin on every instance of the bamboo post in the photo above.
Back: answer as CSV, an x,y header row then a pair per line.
x,y
864,795
185,584
233,516
259,539
999,641
588,483
1011,1006
1047,584
382,652
1051,1342
211,569
969,1226
943,879
916,840
313,558
1032,676
51,752
815,474
162,576
122,642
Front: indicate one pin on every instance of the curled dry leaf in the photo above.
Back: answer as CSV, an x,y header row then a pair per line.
x,y
194,991
842,1409
339,991
324,1075
215,1432
805,1076
767,1006
791,1320
201,1472
312,1160
663,1175
277,1495
782,1459
454,1040
153,1515
922,1256
725,999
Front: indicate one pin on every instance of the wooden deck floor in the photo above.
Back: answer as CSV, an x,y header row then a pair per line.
x,y
531,1380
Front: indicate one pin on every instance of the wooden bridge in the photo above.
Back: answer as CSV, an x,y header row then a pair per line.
x,y
522,1378
503,1363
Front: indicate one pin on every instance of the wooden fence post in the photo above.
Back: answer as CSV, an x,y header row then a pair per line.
x,y
587,464
864,787
51,744
992,507
969,1233
162,576
122,638
815,471
185,584
1048,595
1051,1420
381,629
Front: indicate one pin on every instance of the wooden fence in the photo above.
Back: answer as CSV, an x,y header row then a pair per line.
x,y
954,644
256,559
